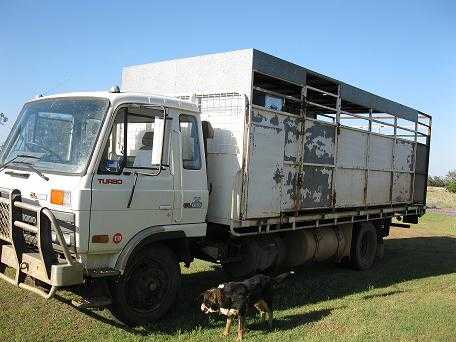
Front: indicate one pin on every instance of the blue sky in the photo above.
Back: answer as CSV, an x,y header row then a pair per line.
x,y
403,50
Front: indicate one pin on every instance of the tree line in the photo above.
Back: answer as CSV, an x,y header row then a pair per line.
x,y
448,181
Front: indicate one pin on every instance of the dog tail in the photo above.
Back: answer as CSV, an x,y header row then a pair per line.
x,y
281,277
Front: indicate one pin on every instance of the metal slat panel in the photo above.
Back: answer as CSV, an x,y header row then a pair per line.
x,y
265,164
319,143
316,189
351,152
401,187
349,187
380,153
403,160
378,187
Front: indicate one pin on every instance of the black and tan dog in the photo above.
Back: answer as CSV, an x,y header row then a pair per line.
x,y
234,298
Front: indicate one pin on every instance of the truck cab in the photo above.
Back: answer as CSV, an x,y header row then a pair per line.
x,y
113,171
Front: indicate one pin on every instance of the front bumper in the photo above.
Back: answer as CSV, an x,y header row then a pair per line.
x,y
50,265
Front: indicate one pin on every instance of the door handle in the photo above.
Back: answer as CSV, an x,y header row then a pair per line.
x,y
165,207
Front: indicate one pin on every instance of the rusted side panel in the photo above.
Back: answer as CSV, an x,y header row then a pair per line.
x,y
401,187
378,190
319,148
292,138
349,187
265,165
274,156
404,158
420,186
319,143
421,171
421,158
290,187
380,153
281,179
316,189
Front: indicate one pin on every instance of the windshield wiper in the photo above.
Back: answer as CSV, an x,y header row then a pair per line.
x,y
2,167
31,167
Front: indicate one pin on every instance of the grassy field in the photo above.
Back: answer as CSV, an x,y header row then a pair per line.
x,y
440,198
410,295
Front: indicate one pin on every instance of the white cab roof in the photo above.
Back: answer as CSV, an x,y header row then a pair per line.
x,y
130,97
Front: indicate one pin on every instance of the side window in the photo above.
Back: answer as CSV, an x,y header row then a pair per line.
x,y
131,143
140,141
113,159
191,158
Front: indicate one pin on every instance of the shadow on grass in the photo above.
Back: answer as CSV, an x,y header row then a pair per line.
x,y
405,259
293,321
382,295
96,315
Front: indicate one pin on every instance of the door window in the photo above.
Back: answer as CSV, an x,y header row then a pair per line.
x,y
134,142
191,158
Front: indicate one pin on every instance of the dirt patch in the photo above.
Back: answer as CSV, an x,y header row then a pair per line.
x,y
446,211
440,198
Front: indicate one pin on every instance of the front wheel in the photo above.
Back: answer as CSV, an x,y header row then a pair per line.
x,y
148,288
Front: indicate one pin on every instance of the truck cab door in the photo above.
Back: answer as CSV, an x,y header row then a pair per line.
x,y
190,179
130,192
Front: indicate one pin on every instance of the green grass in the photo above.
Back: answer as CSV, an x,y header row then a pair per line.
x,y
409,295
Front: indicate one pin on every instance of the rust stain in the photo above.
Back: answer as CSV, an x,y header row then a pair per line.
x,y
278,175
317,187
292,183
319,143
257,117
291,137
274,120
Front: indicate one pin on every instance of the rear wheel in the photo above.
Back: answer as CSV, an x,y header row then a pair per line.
x,y
380,248
148,287
364,246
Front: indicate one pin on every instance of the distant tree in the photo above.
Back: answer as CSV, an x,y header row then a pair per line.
x,y
450,179
451,186
3,119
437,181
451,175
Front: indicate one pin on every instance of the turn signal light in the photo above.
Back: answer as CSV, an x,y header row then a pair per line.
x,y
60,197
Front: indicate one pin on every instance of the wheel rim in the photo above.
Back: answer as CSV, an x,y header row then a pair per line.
x,y
147,286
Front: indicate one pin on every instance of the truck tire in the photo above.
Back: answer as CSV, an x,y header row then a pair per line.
x,y
380,248
148,288
364,246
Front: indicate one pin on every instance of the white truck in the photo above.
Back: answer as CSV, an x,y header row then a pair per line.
x,y
245,159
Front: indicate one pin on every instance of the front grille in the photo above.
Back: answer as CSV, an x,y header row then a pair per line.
x,y
4,220
29,217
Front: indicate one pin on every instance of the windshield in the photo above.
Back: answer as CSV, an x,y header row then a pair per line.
x,y
60,133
